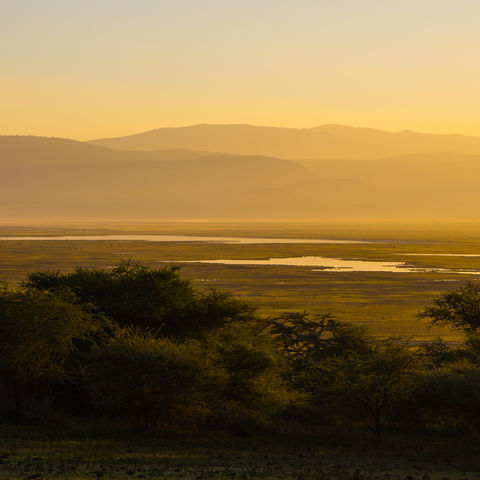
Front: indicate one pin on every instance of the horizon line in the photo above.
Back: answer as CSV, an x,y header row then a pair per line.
x,y
338,125
342,125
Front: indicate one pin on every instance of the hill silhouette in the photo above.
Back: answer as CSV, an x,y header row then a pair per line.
x,y
61,178
421,171
52,150
53,177
327,141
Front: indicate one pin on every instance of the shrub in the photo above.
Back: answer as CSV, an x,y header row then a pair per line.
x,y
151,380
365,386
39,333
447,397
252,386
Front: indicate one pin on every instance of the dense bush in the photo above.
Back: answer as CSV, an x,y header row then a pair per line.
x,y
143,346
447,397
367,386
158,299
252,387
39,333
155,380
167,354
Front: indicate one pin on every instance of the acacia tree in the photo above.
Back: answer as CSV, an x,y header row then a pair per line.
x,y
39,331
133,294
251,366
305,341
367,384
459,309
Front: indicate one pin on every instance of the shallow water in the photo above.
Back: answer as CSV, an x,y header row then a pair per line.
x,y
182,238
339,265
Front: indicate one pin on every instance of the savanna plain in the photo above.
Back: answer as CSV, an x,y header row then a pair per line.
x,y
387,303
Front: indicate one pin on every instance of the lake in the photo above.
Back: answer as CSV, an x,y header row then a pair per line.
x,y
339,265
180,238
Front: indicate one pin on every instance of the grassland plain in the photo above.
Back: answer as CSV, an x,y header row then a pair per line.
x,y
83,453
386,302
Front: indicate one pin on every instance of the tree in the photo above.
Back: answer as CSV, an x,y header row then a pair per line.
x,y
252,387
129,293
367,384
459,309
39,331
133,294
438,353
305,341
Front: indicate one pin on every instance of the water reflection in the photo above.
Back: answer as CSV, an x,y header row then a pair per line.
x,y
182,238
340,265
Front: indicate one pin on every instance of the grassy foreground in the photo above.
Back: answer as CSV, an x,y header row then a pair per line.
x,y
40,453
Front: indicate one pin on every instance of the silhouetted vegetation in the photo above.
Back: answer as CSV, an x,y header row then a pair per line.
x,y
459,309
137,375
136,346
131,294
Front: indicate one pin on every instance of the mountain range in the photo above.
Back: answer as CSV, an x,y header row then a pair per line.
x,y
327,141
190,177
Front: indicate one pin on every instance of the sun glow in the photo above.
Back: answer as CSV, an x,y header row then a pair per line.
x,y
110,68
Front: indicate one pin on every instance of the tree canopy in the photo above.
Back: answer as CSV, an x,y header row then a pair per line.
x,y
160,299
459,309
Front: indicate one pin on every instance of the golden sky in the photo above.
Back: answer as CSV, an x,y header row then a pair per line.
x,y
97,68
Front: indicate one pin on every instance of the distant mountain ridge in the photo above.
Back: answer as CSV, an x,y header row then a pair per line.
x,y
61,178
48,150
57,178
327,141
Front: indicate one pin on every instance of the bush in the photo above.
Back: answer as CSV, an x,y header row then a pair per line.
x,y
447,397
437,353
151,380
39,333
252,386
365,386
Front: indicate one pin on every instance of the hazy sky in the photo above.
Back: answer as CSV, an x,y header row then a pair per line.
x,y
94,68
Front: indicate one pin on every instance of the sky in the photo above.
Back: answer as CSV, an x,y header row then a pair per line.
x,y
100,68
